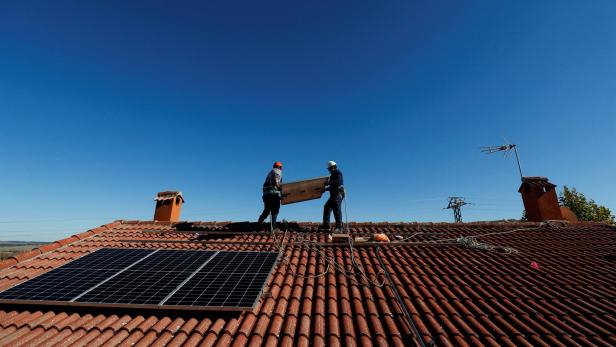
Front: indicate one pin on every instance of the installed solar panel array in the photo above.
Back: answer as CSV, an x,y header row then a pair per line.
x,y
152,279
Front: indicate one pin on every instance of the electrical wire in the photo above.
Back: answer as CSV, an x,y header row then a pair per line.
x,y
467,241
418,338
351,241
331,263
383,270
282,246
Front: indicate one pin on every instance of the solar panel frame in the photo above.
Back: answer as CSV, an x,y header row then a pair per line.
x,y
120,256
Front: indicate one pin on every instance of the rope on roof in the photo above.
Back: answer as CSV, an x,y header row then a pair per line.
x,y
472,242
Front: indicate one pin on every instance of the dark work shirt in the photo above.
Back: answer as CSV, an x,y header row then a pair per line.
x,y
336,182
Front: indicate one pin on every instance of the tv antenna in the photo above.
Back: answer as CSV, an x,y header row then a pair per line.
x,y
455,204
507,149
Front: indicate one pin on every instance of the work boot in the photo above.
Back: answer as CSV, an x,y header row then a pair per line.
x,y
324,226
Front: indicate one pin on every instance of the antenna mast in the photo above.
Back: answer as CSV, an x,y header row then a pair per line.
x,y
507,149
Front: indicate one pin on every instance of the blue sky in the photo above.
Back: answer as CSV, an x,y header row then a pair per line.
x,y
104,104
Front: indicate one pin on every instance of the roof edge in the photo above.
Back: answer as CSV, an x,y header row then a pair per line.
x,y
35,252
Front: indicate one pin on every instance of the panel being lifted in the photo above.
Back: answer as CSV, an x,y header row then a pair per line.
x,y
147,278
297,191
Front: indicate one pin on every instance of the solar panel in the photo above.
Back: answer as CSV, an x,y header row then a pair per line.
x,y
152,278
232,279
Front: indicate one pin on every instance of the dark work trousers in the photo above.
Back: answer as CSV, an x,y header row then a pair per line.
x,y
271,204
333,204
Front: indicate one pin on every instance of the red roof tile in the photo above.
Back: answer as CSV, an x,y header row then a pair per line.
x,y
453,294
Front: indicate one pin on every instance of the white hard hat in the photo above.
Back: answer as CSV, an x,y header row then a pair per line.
x,y
331,163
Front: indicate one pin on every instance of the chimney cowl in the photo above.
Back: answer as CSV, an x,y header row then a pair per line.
x,y
538,181
168,195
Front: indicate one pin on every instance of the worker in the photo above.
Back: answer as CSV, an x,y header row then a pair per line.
x,y
335,186
272,194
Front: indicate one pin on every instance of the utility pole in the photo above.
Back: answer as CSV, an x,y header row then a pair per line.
x,y
455,204
507,149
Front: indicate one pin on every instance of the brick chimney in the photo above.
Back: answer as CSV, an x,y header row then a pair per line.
x,y
168,206
540,201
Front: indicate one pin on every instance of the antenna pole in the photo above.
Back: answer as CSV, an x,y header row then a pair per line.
x,y
506,149
517,158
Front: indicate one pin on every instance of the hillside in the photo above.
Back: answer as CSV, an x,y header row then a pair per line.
x,y
10,248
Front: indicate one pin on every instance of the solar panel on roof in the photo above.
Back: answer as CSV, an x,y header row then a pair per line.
x,y
232,279
152,278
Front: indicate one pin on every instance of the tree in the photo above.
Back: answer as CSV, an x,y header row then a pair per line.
x,y
585,209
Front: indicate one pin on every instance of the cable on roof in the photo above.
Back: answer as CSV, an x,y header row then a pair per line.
x,y
331,263
467,241
281,246
352,249
418,338
387,276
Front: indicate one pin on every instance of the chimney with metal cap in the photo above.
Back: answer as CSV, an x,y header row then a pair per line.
x,y
168,206
540,201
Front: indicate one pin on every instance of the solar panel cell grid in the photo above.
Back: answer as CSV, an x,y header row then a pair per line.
x,y
136,287
108,259
171,260
149,281
231,279
62,284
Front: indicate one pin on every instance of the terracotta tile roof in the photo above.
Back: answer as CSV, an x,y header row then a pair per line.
x,y
455,295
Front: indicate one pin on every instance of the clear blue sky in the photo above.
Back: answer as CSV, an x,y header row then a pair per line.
x,y
102,104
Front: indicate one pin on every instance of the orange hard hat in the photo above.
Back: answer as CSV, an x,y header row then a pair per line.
x,y
278,164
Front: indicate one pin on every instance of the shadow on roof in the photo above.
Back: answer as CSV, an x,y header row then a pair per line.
x,y
121,311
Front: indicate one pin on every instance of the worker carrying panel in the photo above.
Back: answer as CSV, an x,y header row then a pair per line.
x,y
297,191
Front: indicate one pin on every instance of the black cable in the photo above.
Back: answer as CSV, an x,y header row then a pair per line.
x,y
401,302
